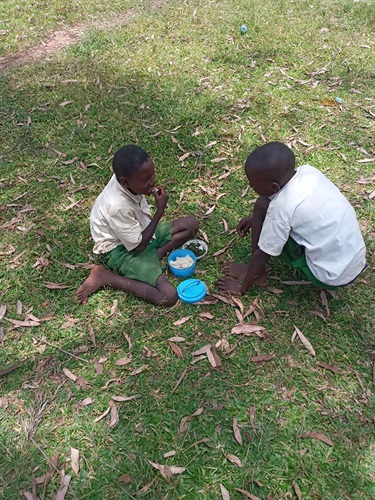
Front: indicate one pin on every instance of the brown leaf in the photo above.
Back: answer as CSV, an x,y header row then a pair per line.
x,y
323,297
297,491
221,251
237,431
240,305
247,494
239,316
114,416
166,471
69,374
262,357
176,339
19,324
125,479
326,366
319,436
104,414
123,361
3,310
224,492
248,329
304,341
92,334
213,358
182,321
176,349
274,290
202,350
170,454
69,323
205,237
145,488
74,456
185,420
138,370
125,398
206,315
60,495
233,459
65,103
98,367
86,402
252,415
55,286
225,224
128,340
210,210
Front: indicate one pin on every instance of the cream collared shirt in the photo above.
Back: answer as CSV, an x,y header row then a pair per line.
x,y
118,217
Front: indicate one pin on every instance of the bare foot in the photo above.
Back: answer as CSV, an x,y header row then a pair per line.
x,y
98,278
261,280
234,270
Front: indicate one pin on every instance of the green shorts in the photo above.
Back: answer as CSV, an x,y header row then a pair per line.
x,y
141,266
294,255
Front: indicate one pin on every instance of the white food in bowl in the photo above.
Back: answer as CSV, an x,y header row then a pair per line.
x,y
182,262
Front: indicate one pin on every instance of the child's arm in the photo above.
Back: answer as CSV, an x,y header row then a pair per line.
x,y
161,199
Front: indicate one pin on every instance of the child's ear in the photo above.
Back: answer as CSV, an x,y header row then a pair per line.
x,y
124,182
275,187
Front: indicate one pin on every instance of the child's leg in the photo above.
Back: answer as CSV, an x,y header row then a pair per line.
x,y
182,230
238,271
163,294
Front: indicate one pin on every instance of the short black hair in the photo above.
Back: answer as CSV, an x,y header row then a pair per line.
x,y
271,158
127,160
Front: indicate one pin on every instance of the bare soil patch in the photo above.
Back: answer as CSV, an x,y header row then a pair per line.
x,y
59,39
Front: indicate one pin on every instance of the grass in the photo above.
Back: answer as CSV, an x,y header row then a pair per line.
x,y
180,78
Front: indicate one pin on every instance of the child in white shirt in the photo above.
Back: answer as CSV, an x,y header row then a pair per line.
x,y
300,216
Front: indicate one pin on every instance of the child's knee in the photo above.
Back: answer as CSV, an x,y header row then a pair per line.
x,y
193,224
170,298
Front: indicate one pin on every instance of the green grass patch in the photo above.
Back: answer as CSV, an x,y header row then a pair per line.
x,y
175,78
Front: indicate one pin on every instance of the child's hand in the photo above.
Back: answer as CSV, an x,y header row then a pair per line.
x,y
244,225
161,197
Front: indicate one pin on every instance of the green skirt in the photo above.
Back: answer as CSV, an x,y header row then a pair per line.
x,y
141,266
294,255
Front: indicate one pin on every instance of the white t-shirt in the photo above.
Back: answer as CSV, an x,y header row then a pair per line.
x,y
118,217
312,210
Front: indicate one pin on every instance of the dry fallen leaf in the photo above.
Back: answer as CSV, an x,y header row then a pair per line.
x,y
248,329
262,357
304,340
92,334
86,402
125,398
326,366
3,310
202,350
185,420
252,415
224,492
176,349
206,315
55,286
221,251
125,479
74,456
167,471
114,416
60,495
237,431
297,491
182,321
176,339
104,414
233,459
69,374
213,358
323,297
247,494
319,436
123,361
138,370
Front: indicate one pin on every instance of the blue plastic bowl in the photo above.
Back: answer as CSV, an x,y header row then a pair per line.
x,y
182,273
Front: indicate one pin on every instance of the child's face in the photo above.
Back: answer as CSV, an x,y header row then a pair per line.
x,y
143,180
260,185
